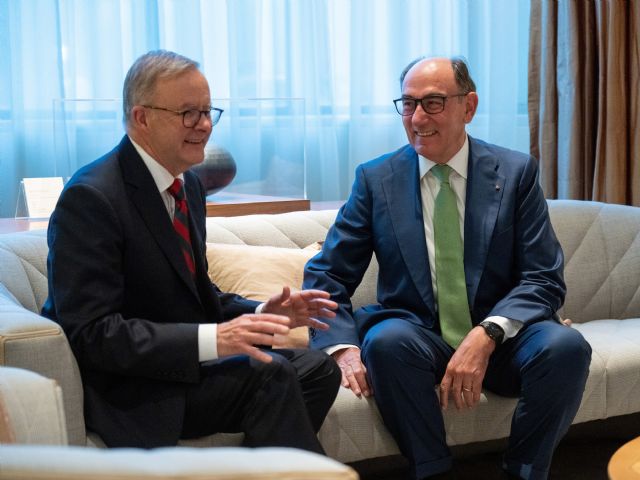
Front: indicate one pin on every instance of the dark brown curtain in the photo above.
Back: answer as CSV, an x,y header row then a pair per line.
x,y
584,115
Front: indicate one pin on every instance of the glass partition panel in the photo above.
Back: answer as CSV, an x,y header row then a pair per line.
x,y
264,137
84,130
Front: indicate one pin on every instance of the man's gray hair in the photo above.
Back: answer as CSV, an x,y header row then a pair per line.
x,y
143,75
460,72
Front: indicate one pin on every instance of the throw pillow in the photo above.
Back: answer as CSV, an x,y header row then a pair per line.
x,y
259,272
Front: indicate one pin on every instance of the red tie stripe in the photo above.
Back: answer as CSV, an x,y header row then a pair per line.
x,y
181,223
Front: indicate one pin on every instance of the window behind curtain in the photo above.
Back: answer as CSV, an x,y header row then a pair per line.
x,y
343,57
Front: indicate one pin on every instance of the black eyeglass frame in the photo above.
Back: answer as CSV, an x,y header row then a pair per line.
x,y
439,107
207,113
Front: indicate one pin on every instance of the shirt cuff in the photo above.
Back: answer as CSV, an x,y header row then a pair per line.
x,y
334,348
207,342
260,307
510,327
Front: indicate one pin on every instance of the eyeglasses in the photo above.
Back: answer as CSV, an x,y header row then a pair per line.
x,y
431,103
190,118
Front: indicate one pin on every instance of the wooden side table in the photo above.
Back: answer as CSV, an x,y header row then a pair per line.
x,y
233,204
221,206
625,462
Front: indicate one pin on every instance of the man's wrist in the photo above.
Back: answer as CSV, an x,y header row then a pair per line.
x,y
494,331
337,348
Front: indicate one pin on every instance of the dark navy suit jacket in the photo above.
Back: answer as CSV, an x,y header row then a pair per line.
x,y
120,289
513,261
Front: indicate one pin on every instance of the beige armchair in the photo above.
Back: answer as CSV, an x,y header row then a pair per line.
x,y
33,438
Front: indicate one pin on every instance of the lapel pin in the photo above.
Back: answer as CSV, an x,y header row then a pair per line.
x,y
497,188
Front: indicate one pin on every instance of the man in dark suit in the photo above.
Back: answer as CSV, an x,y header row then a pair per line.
x,y
164,354
468,288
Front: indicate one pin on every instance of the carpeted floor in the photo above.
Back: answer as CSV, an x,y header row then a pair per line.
x,y
583,455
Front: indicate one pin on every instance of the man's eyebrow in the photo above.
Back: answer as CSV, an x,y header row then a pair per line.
x,y
426,96
194,106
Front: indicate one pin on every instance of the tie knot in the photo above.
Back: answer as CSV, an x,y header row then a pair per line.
x,y
442,172
176,190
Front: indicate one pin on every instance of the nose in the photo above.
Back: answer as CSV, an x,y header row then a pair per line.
x,y
204,122
420,114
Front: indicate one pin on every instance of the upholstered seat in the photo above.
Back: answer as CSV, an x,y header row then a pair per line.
x,y
601,243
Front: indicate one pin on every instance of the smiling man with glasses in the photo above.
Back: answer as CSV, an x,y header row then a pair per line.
x,y
164,354
470,279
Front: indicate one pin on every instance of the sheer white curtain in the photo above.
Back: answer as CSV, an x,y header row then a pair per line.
x,y
343,57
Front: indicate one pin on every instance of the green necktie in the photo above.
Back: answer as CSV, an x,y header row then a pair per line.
x,y
453,306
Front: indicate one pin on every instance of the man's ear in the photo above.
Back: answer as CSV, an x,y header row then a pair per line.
x,y
470,106
139,116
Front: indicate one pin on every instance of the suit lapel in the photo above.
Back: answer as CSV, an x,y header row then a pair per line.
x,y
404,202
144,195
485,187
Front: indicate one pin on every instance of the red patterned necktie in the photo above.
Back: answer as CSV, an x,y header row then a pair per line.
x,y
181,223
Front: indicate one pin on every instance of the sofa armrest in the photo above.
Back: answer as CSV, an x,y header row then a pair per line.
x,y
31,409
32,342
228,463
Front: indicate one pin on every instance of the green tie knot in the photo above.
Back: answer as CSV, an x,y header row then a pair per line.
x,y
442,172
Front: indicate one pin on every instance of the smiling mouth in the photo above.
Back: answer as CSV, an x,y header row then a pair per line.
x,y
194,142
430,133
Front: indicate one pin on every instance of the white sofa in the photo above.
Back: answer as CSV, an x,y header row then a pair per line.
x,y
602,270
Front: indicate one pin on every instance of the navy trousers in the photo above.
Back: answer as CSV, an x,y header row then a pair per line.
x,y
546,366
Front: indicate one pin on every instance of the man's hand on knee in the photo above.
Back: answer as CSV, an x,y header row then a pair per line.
x,y
354,373
466,369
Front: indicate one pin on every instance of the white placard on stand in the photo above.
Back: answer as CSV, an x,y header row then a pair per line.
x,y
38,196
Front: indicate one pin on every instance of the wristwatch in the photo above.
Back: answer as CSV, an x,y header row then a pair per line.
x,y
493,330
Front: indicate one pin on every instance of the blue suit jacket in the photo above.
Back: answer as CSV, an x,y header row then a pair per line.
x,y
513,261
120,289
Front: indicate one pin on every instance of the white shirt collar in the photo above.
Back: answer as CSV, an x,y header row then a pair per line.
x,y
161,176
459,162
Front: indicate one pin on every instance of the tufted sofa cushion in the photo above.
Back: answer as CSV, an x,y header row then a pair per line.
x,y
601,244
24,267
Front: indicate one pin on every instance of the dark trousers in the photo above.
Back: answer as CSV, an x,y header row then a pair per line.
x,y
546,365
278,404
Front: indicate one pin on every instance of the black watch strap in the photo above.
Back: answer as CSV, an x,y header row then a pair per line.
x,y
494,331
